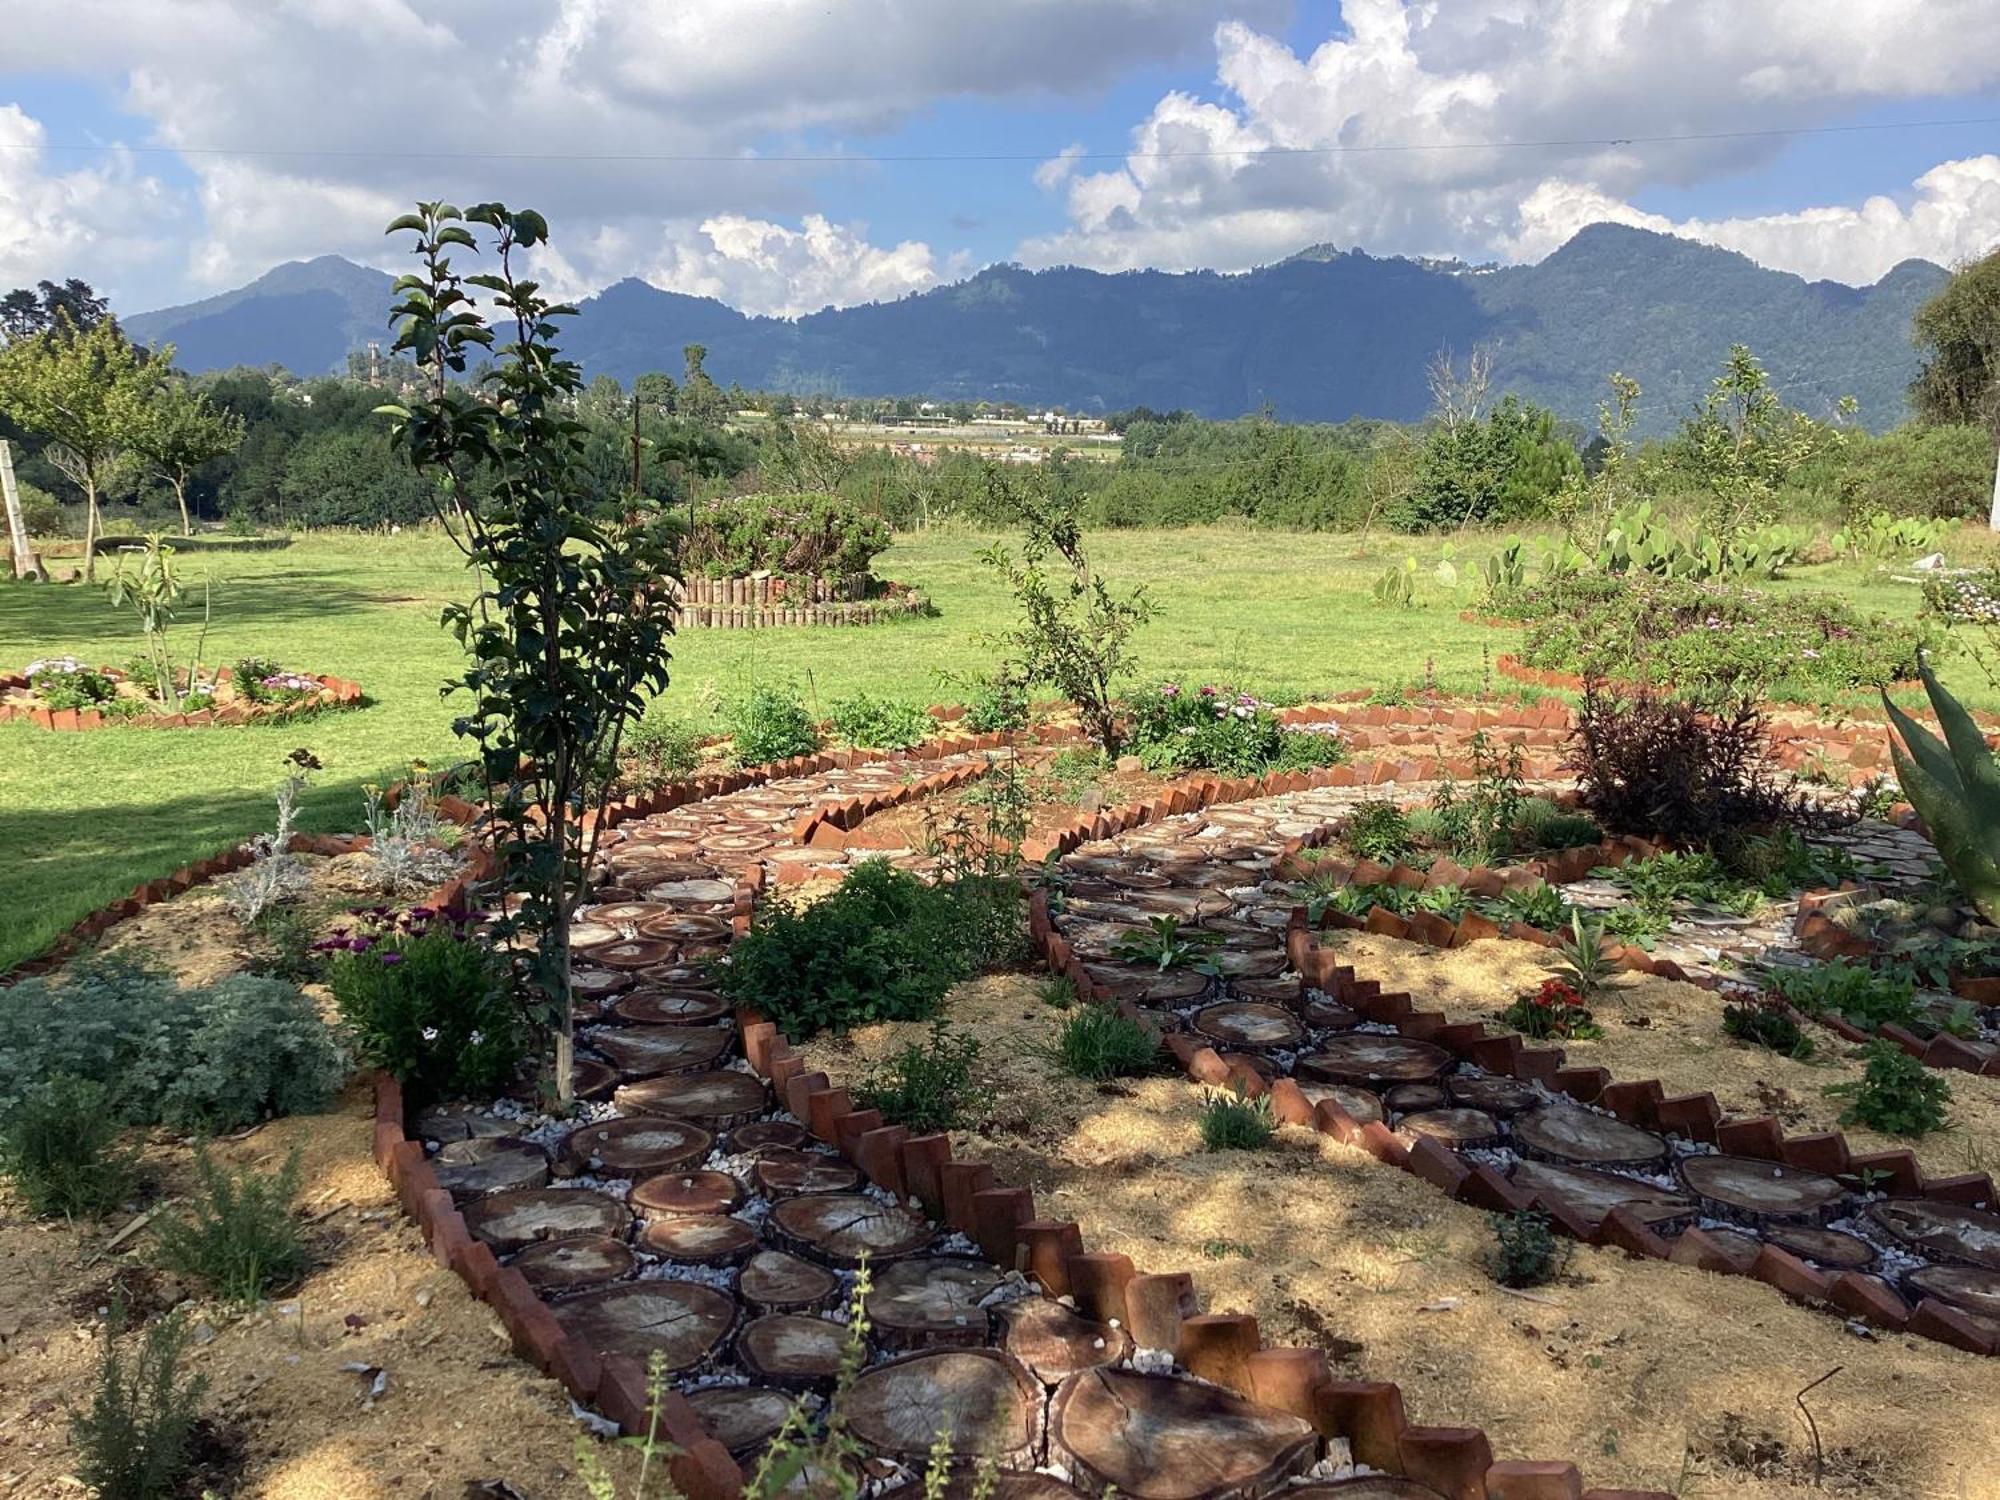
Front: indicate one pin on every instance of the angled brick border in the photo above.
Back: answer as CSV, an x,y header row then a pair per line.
x,y
334,692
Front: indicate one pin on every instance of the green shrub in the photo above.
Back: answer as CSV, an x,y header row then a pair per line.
x,y
1232,1122
770,722
1526,1251
660,751
879,724
132,1441
1539,905
1095,1042
237,1232
57,1146
41,513
1307,749
1861,996
211,1059
1942,470
1378,830
799,536
996,703
63,682
1219,729
1896,1094
884,947
429,1003
1765,1025
927,1086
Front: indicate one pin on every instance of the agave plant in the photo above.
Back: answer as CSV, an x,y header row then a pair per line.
x,y
1955,785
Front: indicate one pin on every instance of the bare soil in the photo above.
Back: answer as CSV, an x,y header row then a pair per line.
x,y
1055,800
1646,1375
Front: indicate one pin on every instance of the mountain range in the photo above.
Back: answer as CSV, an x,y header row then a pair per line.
x,y
1325,335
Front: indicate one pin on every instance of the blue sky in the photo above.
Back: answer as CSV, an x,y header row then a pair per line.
x,y
1172,82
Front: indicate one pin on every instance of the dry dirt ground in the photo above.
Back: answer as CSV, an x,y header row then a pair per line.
x,y
285,1420
1646,1375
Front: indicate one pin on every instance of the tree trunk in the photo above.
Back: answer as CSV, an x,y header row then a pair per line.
x,y
1994,519
26,563
90,530
181,496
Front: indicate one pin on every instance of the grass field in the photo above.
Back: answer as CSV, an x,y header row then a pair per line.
x,y
84,817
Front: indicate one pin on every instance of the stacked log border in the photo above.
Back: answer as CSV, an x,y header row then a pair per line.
x,y
752,604
334,692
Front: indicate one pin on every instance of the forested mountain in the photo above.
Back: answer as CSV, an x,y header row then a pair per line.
x,y
1323,336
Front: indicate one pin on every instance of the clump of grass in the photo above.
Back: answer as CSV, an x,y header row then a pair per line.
x,y
237,1233
1233,1122
132,1441
1526,1251
1094,1042
1056,992
1896,1095
927,1086
58,1148
1768,1026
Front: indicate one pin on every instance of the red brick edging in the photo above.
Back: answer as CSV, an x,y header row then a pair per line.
x,y
334,692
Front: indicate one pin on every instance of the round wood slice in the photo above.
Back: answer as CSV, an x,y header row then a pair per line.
x,y
1238,964
592,1079
791,1350
787,1173
1157,1437
765,1135
458,1122
514,1220
1759,1192
487,1164
677,1195
1175,986
772,1281
625,913
1971,1288
1278,991
1411,1098
594,984
564,1265
982,1401
843,1229
1054,1342
1322,1014
1574,1137
1252,1025
669,1007
1595,1194
704,892
717,1099
1945,1231
1374,1059
583,936
648,1051
633,953
684,1320
1364,1107
635,1146
1505,1097
1827,1247
699,1240
685,927
1456,1128
743,1418
931,1301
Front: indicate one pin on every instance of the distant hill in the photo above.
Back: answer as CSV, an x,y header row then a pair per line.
x,y
1323,336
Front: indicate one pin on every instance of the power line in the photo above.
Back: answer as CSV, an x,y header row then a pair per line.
x,y
842,159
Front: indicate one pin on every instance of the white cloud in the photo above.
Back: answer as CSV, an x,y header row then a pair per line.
x,y
78,223
764,267
1318,147
1054,172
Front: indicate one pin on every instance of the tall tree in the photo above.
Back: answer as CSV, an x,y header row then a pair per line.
x,y
699,399
27,314
1958,331
176,430
82,389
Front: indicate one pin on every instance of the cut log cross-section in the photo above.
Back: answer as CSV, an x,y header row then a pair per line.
x,y
564,1265
1248,1025
676,1195
716,1100
1164,1438
701,1240
1369,1059
1578,1138
635,1147
1753,1191
786,1174
486,1164
683,1321
743,1418
648,1051
512,1221
1945,1231
791,1350
929,1302
982,1402
843,1229
1055,1343
773,1281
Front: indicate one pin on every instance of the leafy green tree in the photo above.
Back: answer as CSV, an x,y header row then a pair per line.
x,y
699,399
1743,444
29,314
83,390
1958,331
350,477
567,636
178,430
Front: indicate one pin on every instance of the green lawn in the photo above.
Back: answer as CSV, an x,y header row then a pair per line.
x,y
84,817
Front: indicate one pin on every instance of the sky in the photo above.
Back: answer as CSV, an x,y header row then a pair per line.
x,y
786,155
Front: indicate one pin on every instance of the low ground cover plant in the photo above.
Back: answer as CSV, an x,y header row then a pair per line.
x,y
1486,819
872,723
428,1001
410,846
797,536
237,1232
1167,943
1553,1011
1860,995
1236,1122
209,1058
1768,1026
1526,1251
927,1085
1896,1094
1094,1042
133,1440
1216,728
770,722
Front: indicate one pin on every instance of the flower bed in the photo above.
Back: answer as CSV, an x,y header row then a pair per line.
x,y
61,692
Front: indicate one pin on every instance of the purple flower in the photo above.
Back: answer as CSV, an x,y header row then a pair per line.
x,y
391,958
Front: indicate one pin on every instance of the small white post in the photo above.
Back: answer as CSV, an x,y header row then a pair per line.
x,y
26,564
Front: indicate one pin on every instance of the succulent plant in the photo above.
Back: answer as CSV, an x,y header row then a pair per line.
x,y
1954,784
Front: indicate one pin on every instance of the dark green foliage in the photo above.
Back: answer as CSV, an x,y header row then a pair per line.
x,y
1712,639
879,723
1377,830
1233,1122
1526,1251
927,1086
799,536
1659,881
209,1059
1097,1043
884,947
1505,467
350,477
998,702
1219,729
770,722
1765,1025
428,1002
58,1147
1944,472
659,751
1958,331
132,1442
1540,905
237,1232
1896,1094
1862,996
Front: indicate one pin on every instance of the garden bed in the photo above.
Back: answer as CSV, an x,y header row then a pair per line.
x,y
122,703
